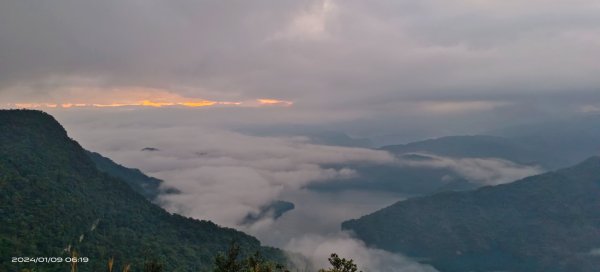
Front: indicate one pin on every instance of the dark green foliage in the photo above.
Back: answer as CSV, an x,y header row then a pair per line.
x,y
231,261
549,222
153,266
340,264
52,196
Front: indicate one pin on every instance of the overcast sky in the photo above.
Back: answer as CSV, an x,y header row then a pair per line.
x,y
342,61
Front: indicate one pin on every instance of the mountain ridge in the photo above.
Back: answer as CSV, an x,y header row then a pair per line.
x,y
145,185
547,222
478,146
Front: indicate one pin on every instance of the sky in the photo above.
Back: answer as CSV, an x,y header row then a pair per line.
x,y
229,90
364,66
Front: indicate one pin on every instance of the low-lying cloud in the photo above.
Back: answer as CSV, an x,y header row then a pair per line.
x,y
223,175
484,171
317,247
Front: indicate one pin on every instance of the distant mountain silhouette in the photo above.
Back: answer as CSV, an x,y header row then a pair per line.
x,y
567,141
483,146
422,180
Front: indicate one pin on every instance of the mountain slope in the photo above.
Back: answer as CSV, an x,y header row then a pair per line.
x,y
53,198
139,182
549,222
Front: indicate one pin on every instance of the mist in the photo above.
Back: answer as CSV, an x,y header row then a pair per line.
x,y
482,171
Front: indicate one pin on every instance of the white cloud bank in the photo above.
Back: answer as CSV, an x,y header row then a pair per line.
x,y
224,175
483,171
317,248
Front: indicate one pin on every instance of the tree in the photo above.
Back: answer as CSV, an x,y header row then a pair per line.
x,y
229,262
257,263
340,265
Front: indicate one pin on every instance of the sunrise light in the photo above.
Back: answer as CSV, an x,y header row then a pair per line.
x,y
155,104
266,101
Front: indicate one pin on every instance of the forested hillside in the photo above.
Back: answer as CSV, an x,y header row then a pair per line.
x,y
54,202
549,222
139,182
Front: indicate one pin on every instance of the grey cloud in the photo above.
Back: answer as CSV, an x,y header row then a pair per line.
x,y
319,53
127,42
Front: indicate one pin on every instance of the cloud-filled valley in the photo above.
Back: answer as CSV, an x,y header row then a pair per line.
x,y
223,175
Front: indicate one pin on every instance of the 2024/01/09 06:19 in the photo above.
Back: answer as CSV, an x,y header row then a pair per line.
x,y
50,259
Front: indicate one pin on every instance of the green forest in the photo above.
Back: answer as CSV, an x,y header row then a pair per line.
x,y
54,201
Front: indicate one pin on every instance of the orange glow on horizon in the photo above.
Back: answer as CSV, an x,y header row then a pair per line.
x,y
204,103
156,104
231,103
80,97
28,105
267,101
69,105
113,105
